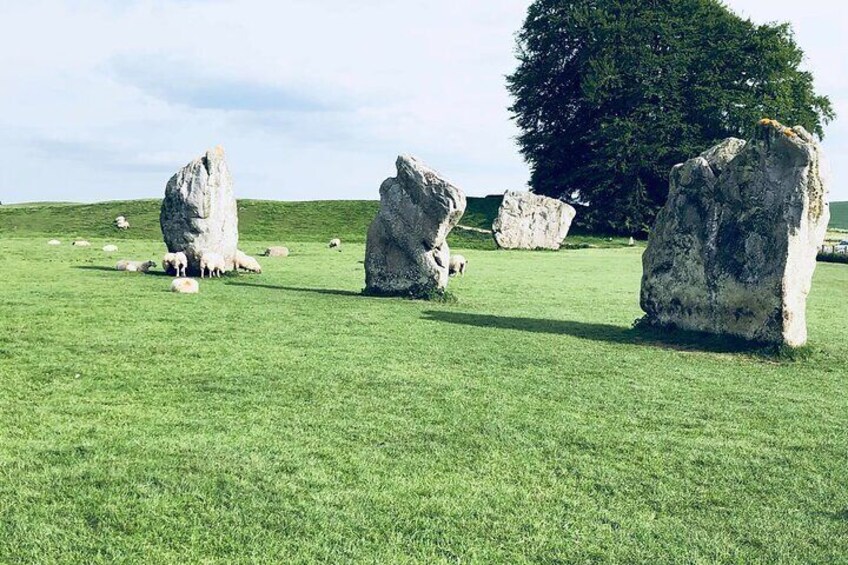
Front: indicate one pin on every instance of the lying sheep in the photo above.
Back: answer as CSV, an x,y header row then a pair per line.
x,y
247,263
457,265
135,266
185,286
214,263
276,252
335,243
110,248
121,223
81,243
176,263
54,242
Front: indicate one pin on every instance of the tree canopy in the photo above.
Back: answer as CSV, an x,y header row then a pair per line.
x,y
611,94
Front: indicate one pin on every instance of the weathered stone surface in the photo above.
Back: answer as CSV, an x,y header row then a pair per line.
x,y
199,212
734,249
530,221
406,251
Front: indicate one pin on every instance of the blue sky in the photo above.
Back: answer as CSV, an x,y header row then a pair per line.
x,y
312,99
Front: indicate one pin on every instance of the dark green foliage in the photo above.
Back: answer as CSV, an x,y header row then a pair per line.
x,y
833,258
610,94
839,216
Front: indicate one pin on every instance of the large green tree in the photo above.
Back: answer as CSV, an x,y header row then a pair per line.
x,y
610,94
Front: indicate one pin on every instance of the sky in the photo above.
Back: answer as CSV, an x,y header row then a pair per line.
x,y
312,99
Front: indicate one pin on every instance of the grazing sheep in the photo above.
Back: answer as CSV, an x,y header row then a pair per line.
x,y
336,242
276,252
121,223
81,243
110,248
246,262
176,263
457,265
54,242
135,266
185,286
214,263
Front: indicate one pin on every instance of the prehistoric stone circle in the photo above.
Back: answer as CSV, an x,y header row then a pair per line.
x,y
406,251
530,221
199,212
734,249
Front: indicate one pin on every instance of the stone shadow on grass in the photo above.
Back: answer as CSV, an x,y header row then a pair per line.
x,y
639,335
329,291
114,270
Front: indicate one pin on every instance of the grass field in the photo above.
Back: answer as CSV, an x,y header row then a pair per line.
x,y
285,418
259,220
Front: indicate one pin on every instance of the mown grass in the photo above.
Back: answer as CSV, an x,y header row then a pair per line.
x,y
286,418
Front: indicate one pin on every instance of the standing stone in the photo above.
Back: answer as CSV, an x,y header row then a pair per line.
x,y
530,221
199,212
406,252
734,250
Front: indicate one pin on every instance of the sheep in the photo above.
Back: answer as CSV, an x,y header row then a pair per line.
x,y
81,243
457,265
54,242
276,252
135,266
176,262
185,286
335,242
247,263
121,223
214,263
632,242
110,248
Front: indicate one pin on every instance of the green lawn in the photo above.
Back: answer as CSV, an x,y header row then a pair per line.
x,y
285,418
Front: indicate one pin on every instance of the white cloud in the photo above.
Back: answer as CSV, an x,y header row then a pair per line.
x,y
312,99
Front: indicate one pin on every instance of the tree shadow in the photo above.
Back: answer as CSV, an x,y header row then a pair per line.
x,y
637,335
326,291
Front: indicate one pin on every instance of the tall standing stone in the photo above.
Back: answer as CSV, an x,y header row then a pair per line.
x,y
406,251
734,249
531,221
199,212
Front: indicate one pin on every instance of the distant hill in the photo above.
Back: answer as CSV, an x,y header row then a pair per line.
x,y
259,220
839,215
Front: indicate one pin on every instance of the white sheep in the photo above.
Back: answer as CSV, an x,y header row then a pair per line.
x,y
214,263
276,252
81,243
121,223
134,266
176,262
457,265
246,262
185,286
54,242
110,248
335,242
